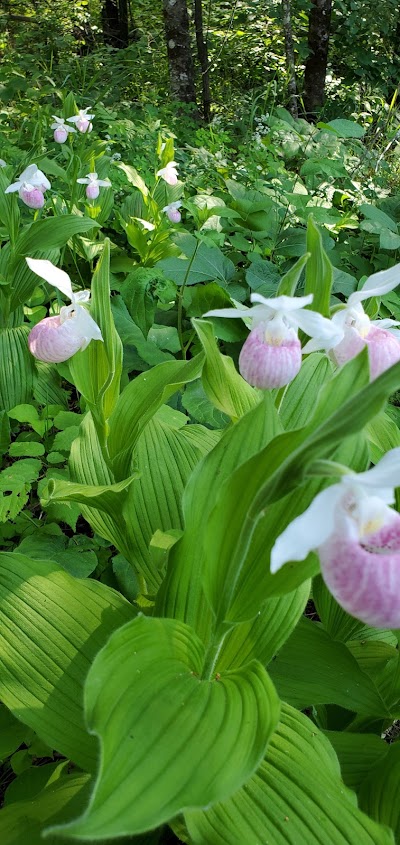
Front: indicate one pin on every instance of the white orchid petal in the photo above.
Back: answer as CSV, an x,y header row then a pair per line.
x,y
385,324
315,325
377,285
28,173
51,274
283,303
307,531
14,187
228,312
382,478
83,181
104,183
85,326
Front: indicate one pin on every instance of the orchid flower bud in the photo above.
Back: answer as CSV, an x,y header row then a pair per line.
x,y
357,538
93,185
82,120
56,339
172,212
356,330
29,185
169,173
271,356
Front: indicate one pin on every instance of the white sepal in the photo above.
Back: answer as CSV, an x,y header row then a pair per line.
x,y
307,531
382,479
51,274
377,285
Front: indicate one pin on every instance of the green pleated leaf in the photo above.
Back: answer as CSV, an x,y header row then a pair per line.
x,y
17,368
383,435
225,388
139,402
52,626
339,624
379,793
311,668
296,797
165,458
24,821
96,371
169,740
319,271
53,232
298,402
9,208
108,498
182,594
357,754
263,636
88,467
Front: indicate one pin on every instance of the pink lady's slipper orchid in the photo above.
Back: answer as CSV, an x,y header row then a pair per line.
x,y
356,330
56,339
93,185
271,355
169,173
357,537
31,186
61,129
172,212
82,120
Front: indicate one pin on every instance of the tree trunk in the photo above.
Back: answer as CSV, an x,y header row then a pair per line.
x,y
115,22
289,52
202,53
318,44
180,60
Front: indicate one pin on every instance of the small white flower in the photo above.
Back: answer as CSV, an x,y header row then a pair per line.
x,y
172,211
93,185
82,120
169,173
56,339
3,163
61,129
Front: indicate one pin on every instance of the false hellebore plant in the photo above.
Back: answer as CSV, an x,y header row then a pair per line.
x,y
271,356
56,339
357,537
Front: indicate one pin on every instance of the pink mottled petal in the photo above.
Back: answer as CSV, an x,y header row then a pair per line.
x,y
60,135
364,578
32,197
92,191
383,350
349,347
267,366
53,342
174,215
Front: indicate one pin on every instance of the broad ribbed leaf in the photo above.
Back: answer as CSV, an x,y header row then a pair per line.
x,y
182,595
52,626
311,668
17,368
139,402
169,740
357,754
225,388
263,636
339,624
23,821
9,208
96,371
296,797
53,232
319,271
165,458
108,498
379,793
